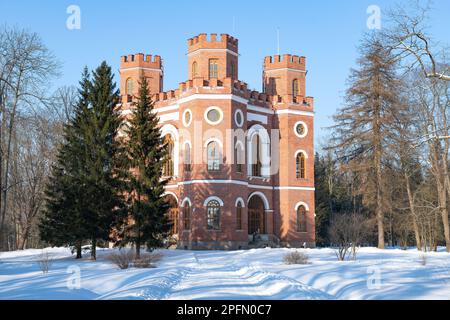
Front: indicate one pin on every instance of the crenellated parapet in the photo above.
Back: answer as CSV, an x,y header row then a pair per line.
x,y
281,73
201,41
285,61
140,60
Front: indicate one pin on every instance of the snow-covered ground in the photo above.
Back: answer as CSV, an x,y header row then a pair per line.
x,y
252,274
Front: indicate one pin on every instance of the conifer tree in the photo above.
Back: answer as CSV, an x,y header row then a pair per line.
x,y
99,179
364,126
323,199
62,222
142,160
83,192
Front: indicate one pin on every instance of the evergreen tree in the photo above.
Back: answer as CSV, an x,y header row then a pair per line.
x,y
322,199
83,191
62,222
364,126
99,180
142,160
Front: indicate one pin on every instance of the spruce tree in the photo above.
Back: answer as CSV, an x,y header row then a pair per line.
x,y
99,179
62,222
141,164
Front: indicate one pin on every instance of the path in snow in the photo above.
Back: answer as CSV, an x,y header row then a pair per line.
x,y
212,280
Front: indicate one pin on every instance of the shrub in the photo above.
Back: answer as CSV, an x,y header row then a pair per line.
x,y
125,259
346,233
423,259
295,257
147,260
122,259
45,262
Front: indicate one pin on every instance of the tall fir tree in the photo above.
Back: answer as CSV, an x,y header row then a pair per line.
x,y
62,222
141,162
100,182
364,126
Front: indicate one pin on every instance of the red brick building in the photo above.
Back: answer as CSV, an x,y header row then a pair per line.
x,y
242,161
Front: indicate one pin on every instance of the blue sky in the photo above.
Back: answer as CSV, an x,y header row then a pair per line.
x,y
327,32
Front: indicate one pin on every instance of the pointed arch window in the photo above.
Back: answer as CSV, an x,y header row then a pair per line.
x,y
187,157
232,70
168,168
213,215
187,216
213,68
238,156
256,161
239,216
300,165
194,69
295,88
301,219
213,156
129,87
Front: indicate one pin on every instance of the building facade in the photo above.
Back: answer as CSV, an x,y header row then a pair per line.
x,y
242,162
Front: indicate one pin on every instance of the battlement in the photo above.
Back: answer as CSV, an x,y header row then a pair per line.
x,y
141,60
227,85
285,61
202,42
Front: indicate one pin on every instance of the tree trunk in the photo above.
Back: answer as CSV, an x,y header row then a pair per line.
x,y
138,248
412,208
442,195
23,236
94,249
3,236
138,227
379,202
79,252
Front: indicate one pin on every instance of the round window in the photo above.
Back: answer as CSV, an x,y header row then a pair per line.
x,y
213,115
300,129
187,117
239,118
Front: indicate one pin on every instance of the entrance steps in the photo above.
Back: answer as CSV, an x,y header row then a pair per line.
x,y
263,241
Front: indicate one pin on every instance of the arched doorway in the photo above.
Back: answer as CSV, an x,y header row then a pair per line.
x,y
172,213
256,221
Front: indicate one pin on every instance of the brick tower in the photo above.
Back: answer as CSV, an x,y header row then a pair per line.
x,y
213,58
284,77
132,67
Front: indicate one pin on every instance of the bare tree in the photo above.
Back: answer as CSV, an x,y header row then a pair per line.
x,y
32,156
429,216
432,103
62,104
409,40
26,65
407,169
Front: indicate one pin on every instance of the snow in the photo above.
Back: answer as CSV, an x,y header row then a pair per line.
x,y
246,274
